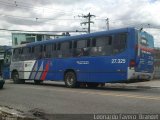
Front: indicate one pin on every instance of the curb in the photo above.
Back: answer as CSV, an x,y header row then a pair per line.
x,y
130,86
11,114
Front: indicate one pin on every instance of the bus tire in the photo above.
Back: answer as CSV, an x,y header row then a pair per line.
x,y
92,85
16,79
70,79
38,82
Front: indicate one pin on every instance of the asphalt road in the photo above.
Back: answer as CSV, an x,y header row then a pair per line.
x,y
55,98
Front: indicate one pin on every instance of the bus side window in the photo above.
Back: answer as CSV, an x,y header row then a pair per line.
x,y
48,50
25,53
54,50
32,55
81,45
32,50
110,40
65,48
44,48
101,46
120,43
15,54
70,45
43,52
58,46
93,42
109,47
74,48
20,52
75,44
88,42
59,51
54,47
38,51
71,49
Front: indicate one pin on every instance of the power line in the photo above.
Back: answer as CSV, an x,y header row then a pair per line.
x,y
57,10
5,36
1,29
33,5
5,15
32,20
16,5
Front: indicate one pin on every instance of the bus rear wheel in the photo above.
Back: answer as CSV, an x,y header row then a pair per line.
x,y
70,80
16,79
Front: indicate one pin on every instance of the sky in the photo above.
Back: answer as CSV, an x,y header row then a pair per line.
x,y
65,15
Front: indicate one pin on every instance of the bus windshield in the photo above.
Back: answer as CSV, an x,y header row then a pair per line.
x,y
7,57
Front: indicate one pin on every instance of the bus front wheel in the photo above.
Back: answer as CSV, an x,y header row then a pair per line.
x,y
70,79
16,79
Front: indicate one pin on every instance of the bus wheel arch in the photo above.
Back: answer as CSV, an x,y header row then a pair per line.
x,y
15,77
13,72
70,78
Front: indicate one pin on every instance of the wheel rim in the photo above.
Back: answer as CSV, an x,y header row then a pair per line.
x,y
70,79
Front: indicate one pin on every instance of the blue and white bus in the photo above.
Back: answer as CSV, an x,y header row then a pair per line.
x,y
103,57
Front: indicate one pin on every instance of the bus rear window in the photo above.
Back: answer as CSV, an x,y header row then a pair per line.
x,y
144,42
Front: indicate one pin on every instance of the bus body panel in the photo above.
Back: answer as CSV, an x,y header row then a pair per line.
x,y
96,69
88,69
99,69
143,56
24,68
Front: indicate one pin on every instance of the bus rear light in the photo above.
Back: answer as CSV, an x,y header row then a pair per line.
x,y
132,63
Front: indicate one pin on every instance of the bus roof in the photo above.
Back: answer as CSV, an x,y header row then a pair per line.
x,y
77,37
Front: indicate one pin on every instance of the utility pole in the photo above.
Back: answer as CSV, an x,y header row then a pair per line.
x,y
89,21
107,22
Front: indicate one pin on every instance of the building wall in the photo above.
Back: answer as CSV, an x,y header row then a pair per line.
x,y
17,38
22,38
